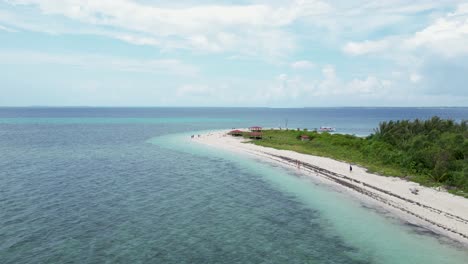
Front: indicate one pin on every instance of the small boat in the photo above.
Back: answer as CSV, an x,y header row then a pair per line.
x,y
327,129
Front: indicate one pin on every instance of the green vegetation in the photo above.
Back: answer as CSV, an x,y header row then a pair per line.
x,y
432,152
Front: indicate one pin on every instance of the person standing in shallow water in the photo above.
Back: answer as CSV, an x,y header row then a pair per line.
x,y
350,168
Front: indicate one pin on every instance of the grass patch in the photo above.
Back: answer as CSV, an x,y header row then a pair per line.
x,y
428,156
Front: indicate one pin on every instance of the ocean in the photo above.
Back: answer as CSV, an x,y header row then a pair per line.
x,y
124,185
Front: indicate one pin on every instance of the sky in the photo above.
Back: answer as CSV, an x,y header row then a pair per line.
x,y
295,53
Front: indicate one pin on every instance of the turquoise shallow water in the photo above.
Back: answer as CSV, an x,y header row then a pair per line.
x,y
369,235
120,191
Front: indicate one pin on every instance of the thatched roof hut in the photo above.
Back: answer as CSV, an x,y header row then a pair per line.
x,y
235,133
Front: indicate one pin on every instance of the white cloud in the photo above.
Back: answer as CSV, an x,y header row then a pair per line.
x,y
250,29
433,55
258,30
296,88
137,40
165,21
162,66
462,9
446,36
366,47
369,85
282,77
194,90
415,78
331,84
7,29
302,64
329,73
349,19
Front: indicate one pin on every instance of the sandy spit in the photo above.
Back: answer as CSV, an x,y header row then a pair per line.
x,y
437,210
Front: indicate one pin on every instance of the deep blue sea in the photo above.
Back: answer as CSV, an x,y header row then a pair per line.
x,y
124,185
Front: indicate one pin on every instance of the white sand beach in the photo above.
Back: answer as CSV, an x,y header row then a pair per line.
x,y
437,210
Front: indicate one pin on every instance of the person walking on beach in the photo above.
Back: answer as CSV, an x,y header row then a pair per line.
x,y
350,168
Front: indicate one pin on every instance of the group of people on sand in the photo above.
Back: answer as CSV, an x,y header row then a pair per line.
x,y
193,136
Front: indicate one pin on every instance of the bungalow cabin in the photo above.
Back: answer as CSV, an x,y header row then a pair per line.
x,y
256,132
305,138
256,135
255,129
235,133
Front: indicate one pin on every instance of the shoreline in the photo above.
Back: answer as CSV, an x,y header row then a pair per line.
x,y
439,211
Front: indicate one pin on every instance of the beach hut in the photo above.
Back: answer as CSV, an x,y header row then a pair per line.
x,y
256,132
255,129
305,138
256,135
235,133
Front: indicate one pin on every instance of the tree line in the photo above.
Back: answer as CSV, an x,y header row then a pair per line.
x,y
435,148
431,152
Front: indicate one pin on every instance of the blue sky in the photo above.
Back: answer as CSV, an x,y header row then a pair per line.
x,y
233,53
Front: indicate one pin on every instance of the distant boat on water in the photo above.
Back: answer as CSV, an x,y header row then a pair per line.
x,y
327,129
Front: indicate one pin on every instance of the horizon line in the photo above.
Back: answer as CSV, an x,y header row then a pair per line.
x,y
270,107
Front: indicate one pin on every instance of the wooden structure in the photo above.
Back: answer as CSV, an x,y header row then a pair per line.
x,y
256,135
305,138
256,132
255,129
235,133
